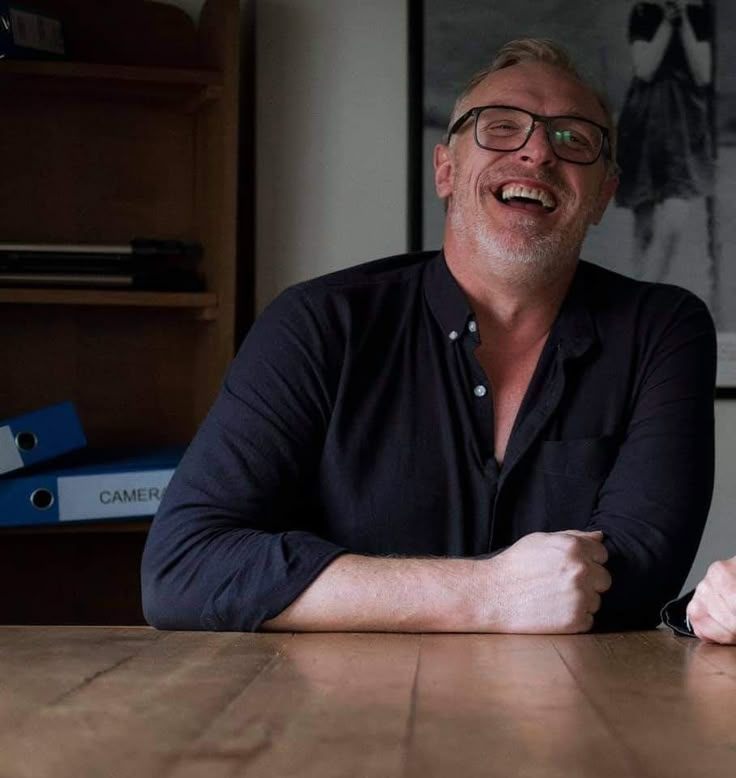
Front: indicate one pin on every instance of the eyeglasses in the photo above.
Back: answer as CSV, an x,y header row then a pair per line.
x,y
505,128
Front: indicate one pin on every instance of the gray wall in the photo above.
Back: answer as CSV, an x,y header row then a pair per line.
x,y
331,167
330,137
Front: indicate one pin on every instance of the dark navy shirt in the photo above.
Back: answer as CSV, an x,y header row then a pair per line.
x,y
356,417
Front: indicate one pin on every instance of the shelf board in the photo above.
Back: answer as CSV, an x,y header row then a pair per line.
x,y
105,527
203,303
189,86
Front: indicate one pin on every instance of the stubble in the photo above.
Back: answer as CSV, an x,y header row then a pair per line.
x,y
526,250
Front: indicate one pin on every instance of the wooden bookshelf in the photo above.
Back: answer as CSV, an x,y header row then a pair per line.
x,y
201,304
22,72
135,134
182,88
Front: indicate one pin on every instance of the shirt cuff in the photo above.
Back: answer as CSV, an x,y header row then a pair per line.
x,y
674,615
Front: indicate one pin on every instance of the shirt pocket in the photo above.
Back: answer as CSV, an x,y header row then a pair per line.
x,y
573,472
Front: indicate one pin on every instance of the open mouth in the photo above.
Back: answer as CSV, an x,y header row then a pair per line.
x,y
527,197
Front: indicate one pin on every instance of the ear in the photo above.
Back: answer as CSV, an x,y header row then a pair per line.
x,y
608,189
443,170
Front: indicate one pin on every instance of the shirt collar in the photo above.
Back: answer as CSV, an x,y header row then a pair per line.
x,y
573,332
445,297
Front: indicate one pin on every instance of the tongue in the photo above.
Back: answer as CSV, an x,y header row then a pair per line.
x,y
525,204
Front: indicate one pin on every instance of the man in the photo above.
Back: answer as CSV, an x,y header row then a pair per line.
x,y
495,438
708,612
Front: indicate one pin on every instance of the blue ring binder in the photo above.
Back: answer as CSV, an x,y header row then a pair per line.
x,y
42,499
26,441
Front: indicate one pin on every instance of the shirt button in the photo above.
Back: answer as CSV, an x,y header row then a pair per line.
x,y
452,335
480,391
472,326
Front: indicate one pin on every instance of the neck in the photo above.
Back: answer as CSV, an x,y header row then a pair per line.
x,y
514,309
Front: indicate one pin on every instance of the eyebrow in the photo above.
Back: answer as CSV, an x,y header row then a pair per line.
x,y
569,111
574,112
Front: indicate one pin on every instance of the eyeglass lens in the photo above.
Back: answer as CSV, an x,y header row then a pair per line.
x,y
507,129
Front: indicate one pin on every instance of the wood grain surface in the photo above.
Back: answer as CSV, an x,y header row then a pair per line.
x,y
130,701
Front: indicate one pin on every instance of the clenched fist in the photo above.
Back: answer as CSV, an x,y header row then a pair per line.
x,y
546,583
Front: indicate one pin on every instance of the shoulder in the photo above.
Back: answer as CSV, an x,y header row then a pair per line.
x,y
386,272
390,282
701,20
644,20
643,305
333,302
658,331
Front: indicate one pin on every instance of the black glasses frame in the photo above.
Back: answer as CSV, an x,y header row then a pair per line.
x,y
536,119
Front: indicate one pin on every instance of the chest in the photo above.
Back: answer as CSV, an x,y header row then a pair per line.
x,y
509,375
407,463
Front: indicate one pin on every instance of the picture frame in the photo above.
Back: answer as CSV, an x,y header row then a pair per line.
x,y
450,40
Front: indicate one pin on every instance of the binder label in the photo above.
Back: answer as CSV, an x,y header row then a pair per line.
x,y
111,495
10,458
32,30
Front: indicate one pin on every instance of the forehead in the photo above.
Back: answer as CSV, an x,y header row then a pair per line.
x,y
540,88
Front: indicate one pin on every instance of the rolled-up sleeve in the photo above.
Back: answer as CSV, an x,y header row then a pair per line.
x,y
655,501
227,549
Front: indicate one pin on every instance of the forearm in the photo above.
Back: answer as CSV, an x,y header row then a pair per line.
x,y
698,53
655,501
359,593
544,583
638,593
647,55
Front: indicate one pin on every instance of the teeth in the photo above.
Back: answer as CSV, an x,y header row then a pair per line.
x,y
528,193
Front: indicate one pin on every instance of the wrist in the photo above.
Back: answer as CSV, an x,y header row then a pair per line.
x,y
484,600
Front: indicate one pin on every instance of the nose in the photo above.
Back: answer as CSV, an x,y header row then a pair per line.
x,y
537,149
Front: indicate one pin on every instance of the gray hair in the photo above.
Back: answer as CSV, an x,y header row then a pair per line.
x,y
549,53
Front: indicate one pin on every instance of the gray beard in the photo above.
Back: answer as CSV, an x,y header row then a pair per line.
x,y
527,255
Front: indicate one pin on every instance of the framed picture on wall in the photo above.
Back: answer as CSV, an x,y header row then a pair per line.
x,y
670,75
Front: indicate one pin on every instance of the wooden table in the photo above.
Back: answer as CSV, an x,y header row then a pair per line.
x,y
114,701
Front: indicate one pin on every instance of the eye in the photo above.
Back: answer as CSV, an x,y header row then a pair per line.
x,y
573,138
501,127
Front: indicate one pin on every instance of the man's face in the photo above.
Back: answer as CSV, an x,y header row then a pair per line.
x,y
565,198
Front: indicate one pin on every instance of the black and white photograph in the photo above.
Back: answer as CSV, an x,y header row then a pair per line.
x,y
669,74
